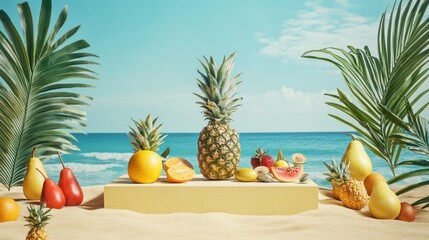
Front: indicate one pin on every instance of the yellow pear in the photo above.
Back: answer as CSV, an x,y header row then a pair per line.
x,y
33,180
360,164
383,204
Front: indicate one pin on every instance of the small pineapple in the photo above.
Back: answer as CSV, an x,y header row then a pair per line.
x,y
350,191
145,165
37,221
218,144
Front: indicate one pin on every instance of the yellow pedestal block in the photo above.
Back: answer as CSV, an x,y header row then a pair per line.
x,y
201,195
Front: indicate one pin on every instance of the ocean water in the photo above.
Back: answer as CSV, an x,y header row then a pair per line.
x,y
104,156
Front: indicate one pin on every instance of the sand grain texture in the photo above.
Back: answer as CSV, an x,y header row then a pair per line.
x,y
331,221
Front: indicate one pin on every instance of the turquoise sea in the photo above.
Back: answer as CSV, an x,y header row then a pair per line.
x,y
104,156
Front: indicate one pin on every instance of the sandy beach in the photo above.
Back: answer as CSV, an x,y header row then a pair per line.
x,y
331,221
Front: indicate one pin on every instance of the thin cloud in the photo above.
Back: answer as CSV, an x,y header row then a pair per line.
x,y
286,109
318,27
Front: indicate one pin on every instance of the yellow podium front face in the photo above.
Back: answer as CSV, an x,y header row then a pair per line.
x,y
201,196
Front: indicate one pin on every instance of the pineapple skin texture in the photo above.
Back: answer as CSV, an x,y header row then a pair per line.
x,y
353,194
218,151
37,234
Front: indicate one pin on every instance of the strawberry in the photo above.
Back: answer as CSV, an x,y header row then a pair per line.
x,y
261,158
255,162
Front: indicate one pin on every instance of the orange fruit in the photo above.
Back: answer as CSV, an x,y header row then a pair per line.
x,y
370,180
173,161
9,209
144,166
179,173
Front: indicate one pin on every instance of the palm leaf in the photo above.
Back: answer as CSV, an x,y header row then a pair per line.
x,y
390,79
415,137
35,106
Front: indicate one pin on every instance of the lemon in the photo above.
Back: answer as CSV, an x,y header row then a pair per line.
x,y
246,175
281,163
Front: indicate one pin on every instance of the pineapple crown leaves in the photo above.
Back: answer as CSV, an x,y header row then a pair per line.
x,y
38,217
146,135
338,174
218,98
261,152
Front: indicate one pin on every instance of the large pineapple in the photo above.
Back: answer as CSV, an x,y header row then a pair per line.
x,y
350,191
37,221
218,143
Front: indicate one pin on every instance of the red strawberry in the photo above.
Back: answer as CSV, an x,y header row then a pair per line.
x,y
267,161
262,158
255,162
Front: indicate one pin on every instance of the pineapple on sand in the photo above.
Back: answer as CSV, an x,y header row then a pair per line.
x,y
350,191
218,143
37,221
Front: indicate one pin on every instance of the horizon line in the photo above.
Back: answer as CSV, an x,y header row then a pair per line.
x,y
261,132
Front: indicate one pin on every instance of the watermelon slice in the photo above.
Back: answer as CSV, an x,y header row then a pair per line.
x,y
287,174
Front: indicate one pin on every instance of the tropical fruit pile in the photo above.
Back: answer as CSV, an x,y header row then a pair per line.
x,y
354,184
38,186
266,169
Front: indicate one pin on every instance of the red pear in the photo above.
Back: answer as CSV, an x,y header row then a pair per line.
x,y
52,195
70,186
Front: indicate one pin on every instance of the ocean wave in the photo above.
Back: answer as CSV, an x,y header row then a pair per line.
x,y
108,156
81,167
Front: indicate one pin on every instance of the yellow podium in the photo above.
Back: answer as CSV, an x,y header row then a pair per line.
x,y
201,196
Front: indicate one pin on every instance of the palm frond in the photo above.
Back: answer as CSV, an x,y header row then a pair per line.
x,y
35,106
415,137
390,79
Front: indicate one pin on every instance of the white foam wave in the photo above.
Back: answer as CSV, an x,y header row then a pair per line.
x,y
108,156
81,167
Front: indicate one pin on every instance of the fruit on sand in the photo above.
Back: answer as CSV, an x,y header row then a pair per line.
x,y
218,143
350,191
145,165
359,163
9,209
370,180
287,174
261,158
70,186
180,171
37,220
384,204
246,175
407,213
33,181
52,195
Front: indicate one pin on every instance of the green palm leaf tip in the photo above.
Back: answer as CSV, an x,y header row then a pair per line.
x,y
39,72
389,79
219,89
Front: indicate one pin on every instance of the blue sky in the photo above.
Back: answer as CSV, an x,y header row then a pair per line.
x,y
149,53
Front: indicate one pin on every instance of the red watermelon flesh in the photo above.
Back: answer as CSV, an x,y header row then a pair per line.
x,y
287,174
